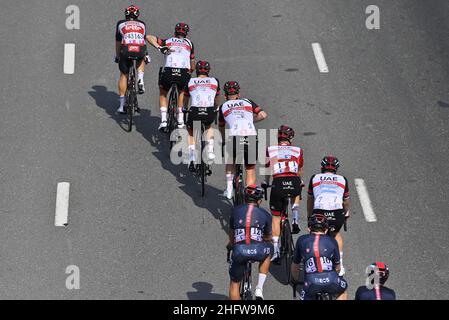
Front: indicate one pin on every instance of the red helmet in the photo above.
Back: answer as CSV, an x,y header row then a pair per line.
x,y
330,163
285,133
202,67
253,193
382,270
231,88
132,12
182,29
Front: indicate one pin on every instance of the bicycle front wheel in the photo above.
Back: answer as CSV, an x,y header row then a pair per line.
x,y
288,250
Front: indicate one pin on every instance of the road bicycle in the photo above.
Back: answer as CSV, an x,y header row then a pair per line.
x,y
131,103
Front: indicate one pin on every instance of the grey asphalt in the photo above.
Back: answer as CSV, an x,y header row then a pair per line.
x,y
138,228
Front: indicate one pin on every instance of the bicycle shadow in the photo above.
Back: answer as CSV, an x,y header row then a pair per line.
x,y
204,292
213,201
109,101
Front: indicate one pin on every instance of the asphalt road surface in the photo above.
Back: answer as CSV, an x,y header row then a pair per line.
x,y
138,227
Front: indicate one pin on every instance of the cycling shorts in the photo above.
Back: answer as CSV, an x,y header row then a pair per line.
x,y
243,253
335,219
168,76
205,115
282,188
326,282
125,62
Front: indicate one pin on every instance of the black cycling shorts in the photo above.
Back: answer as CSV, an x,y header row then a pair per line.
x,y
242,253
282,188
244,150
128,51
168,76
325,282
205,115
335,219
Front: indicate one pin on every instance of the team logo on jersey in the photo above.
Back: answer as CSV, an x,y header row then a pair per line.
x,y
287,183
201,81
235,104
328,178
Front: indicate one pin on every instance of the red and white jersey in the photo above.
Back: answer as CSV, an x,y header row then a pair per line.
x,y
131,32
203,91
329,190
284,160
182,52
239,116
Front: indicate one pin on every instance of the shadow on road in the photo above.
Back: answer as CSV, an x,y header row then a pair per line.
x,y
204,292
109,101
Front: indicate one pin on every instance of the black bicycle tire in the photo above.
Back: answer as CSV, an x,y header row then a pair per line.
x,y
203,169
132,97
288,254
172,105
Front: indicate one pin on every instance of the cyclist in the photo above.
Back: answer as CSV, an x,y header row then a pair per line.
x,y
179,64
328,194
205,94
321,258
379,290
240,115
286,162
130,41
250,239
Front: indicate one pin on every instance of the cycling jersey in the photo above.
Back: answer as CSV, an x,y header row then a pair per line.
x,y
329,191
250,223
182,52
238,114
131,32
203,91
284,160
318,251
381,293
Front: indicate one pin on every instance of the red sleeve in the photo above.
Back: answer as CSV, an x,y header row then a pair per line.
x,y
256,108
161,42
267,161
301,159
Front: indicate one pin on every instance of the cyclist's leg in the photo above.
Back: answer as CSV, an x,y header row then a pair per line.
x,y
236,273
182,88
140,75
250,157
336,222
164,87
124,65
276,207
191,120
264,265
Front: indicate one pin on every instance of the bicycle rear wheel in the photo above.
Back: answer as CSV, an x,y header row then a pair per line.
x,y
171,115
131,96
245,285
287,248
202,169
238,186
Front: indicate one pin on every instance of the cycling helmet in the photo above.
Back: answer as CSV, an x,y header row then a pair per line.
x,y
318,220
202,67
182,29
330,163
132,12
382,270
231,88
253,193
285,133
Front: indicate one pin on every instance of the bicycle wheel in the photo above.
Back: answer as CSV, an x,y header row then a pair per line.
x,y
132,96
171,116
245,286
287,249
238,186
202,169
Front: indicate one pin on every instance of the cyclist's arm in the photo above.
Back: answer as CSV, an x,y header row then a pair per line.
x,y
154,41
262,115
117,48
310,198
192,59
346,198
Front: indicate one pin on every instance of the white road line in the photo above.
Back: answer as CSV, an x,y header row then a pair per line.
x,y
62,204
368,211
69,58
319,56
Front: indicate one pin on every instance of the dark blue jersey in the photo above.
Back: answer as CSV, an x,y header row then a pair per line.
x,y
383,293
318,251
250,223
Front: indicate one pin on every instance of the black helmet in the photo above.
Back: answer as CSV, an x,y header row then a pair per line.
x,y
382,270
132,12
330,163
253,193
318,220
202,67
231,88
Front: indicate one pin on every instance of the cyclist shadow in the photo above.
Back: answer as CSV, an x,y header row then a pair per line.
x,y
109,101
213,201
204,292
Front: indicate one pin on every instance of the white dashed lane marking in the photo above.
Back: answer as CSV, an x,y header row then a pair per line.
x,y
62,204
365,201
69,58
319,56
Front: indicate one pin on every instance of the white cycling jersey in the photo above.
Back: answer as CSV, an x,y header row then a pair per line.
x,y
203,91
284,160
329,190
182,52
131,32
239,116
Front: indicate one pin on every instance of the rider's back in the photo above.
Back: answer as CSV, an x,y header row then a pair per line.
x,y
250,223
383,293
